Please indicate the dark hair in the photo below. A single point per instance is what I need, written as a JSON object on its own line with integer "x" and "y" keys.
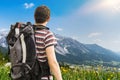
{"x": 42, "y": 14}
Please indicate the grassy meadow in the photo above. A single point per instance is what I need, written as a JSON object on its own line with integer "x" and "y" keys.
{"x": 77, "y": 73}
{"x": 90, "y": 73}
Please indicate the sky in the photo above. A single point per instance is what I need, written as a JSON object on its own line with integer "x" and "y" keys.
{"x": 88, "y": 21}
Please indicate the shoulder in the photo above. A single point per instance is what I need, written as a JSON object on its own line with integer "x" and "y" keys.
{"x": 49, "y": 32}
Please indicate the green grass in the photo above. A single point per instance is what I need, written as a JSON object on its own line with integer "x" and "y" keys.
{"x": 77, "y": 73}
{"x": 4, "y": 73}
{"x": 92, "y": 73}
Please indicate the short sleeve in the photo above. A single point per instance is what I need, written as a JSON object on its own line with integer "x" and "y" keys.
{"x": 50, "y": 39}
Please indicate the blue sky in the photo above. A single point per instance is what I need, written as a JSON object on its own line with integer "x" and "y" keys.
{"x": 88, "y": 21}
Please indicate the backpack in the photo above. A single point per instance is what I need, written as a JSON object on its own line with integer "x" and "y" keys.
{"x": 22, "y": 53}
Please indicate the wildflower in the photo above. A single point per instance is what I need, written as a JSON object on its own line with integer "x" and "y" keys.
{"x": 111, "y": 75}
{"x": 108, "y": 79}
{"x": 64, "y": 70}
{"x": 8, "y": 64}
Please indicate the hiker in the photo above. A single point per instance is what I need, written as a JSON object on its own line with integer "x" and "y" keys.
{"x": 45, "y": 44}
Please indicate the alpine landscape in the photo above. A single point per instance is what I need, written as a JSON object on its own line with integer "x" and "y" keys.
{"x": 71, "y": 51}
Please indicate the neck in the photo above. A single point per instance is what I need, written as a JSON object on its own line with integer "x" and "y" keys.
{"x": 44, "y": 24}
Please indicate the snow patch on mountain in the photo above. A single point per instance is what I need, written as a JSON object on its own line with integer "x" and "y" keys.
{"x": 3, "y": 34}
{"x": 61, "y": 50}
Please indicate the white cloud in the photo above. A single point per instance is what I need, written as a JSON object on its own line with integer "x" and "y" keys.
{"x": 97, "y": 40}
{"x": 109, "y": 6}
{"x": 3, "y": 29}
{"x": 28, "y": 5}
{"x": 116, "y": 41}
{"x": 95, "y": 34}
{"x": 59, "y": 29}
{"x": 75, "y": 37}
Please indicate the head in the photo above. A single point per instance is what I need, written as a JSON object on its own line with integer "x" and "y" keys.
{"x": 42, "y": 14}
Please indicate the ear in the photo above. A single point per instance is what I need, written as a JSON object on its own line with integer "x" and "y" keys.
{"x": 48, "y": 19}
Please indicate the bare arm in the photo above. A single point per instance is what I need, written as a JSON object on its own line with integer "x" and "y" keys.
{"x": 54, "y": 66}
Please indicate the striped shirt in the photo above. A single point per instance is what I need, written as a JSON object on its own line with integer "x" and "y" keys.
{"x": 44, "y": 38}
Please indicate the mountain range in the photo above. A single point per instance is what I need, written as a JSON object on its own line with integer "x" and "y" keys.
{"x": 72, "y": 51}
